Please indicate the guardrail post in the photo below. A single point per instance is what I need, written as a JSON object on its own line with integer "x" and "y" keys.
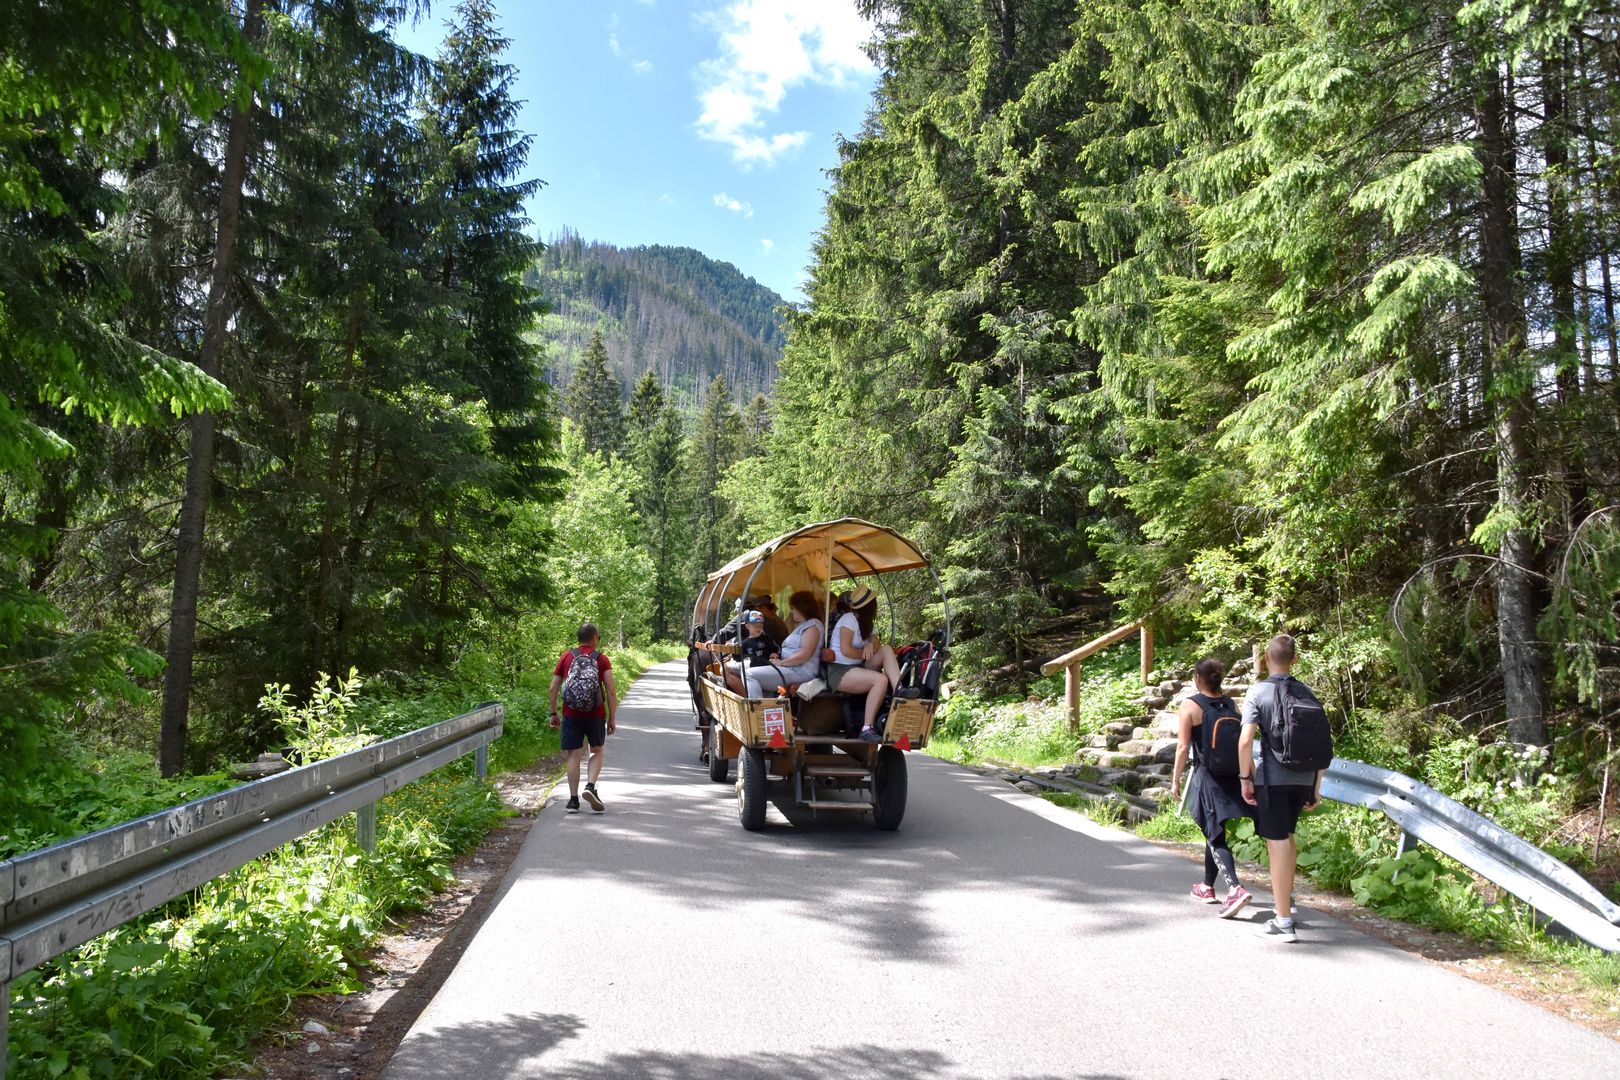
{"x": 5, "y": 1029}
{"x": 1406, "y": 843}
{"x": 365, "y": 827}
{"x": 481, "y": 761}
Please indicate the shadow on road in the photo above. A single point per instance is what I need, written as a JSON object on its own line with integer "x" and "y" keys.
{"x": 513, "y": 1047}
{"x": 677, "y": 837}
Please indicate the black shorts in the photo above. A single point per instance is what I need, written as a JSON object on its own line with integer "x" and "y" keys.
{"x": 577, "y": 729}
{"x": 1279, "y": 809}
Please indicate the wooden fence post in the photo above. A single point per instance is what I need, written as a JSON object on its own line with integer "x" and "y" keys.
{"x": 1071, "y": 694}
{"x": 1147, "y": 652}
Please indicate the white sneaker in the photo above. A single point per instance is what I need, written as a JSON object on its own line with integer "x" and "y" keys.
{"x": 1281, "y": 931}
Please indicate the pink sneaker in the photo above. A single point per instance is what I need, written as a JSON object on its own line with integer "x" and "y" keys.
{"x": 1204, "y": 894}
{"x": 1236, "y": 901}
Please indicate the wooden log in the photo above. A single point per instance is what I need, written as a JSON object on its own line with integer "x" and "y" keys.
{"x": 1071, "y": 694}
{"x": 1147, "y": 652}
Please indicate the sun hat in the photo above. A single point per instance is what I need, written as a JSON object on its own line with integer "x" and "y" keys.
{"x": 860, "y": 598}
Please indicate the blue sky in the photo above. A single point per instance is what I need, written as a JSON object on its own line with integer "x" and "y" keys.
{"x": 705, "y": 124}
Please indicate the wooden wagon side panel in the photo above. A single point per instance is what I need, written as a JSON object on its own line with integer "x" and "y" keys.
{"x": 750, "y": 722}
{"x": 912, "y": 718}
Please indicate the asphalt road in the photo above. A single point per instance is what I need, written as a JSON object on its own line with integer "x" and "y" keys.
{"x": 993, "y": 935}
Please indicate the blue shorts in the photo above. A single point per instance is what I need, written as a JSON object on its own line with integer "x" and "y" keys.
{"x": 576, "y": 730}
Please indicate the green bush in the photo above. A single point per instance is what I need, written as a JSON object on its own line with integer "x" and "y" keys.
{"x": 1034, "y": 731}
{"x": 183, "y": 992}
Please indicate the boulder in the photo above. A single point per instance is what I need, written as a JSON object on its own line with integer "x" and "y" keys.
{"x": 315, "y": 1027}
{"x": 1166, "y": 720}
{"x": 1109, "y": 759}
{"x": 1141, "y": 733}
{"x": 1168, "y": 687}
{"x": 1126, "y": 779}
{"x": 1027, "y": 787}
{"x": 1163, "y": 751}
{"x": 1087, "y": 773}
{"x": 1141, "y": 747}
{"x": 1157, "y": 794}
{"x": 1102, "y": 742}
{"x": 1153, "y": 701}
{"x": 1155, "y": 770}
{"x": 1183, "y": 694}
{"x": 1122, "y": 729}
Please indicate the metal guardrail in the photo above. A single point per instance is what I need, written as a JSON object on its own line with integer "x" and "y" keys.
{"x": 56, "y": 899}
{"x": 1549, "y": 886}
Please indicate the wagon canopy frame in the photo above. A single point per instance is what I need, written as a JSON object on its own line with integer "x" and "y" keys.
{"x": 814, "y": 557}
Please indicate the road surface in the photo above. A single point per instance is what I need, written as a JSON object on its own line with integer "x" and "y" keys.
{"x": 993, "y": 935}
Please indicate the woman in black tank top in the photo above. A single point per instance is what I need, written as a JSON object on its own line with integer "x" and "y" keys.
{"x": 1213, "y": 800}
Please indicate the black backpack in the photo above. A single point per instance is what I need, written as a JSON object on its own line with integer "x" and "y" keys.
{"x": 1217, "y": 742}
{"x": 1299, "y": 736}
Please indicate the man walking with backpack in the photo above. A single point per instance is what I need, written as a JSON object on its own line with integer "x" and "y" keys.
{"x": 1284, "y": 778}
{"x": 589, "y": 702}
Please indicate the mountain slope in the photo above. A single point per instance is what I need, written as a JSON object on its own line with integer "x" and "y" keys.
{"x": 672, "y": 310}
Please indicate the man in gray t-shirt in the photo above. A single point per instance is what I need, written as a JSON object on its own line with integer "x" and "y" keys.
{"x": 1278, "y": 794}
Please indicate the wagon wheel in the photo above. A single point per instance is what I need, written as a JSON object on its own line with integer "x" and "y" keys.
{"x": 719, "y": 767}
{"x": 751, "y": 788}
{"x": 888, "y": 789}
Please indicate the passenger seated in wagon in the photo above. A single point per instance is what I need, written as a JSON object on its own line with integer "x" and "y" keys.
{"x": 754, "y": 648}
{"x": 797, "y": 661}
{"x": 861, "y": 664}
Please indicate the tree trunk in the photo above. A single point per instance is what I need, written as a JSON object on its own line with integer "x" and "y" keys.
{"x": 1561, "y": 258}
{"x": 200, "y": 456}
{"x": 1523, "y": 681}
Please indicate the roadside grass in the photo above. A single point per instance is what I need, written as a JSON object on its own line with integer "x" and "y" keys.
{"x": 183, "y": 993}
{"x": 1036, "y": 730}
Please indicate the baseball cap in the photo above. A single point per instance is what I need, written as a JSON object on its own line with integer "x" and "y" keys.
{"x": 753, "y": 617}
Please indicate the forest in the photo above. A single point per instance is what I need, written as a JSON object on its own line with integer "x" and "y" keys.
{"x": 1234, "y": 317}
{"x": 671, "y": 310}
{"x": 1238, "y": 317}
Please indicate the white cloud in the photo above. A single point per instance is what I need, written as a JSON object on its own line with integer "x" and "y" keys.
{"x": 736, "y": 206}
{"x": 767, "y": 245}
{"x": 666, "y": 199}
{"x": 616, "y": 47}
{"x": 768, "y": 47}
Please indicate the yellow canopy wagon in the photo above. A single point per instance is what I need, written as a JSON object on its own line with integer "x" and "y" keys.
{"x": 793, "y": 735}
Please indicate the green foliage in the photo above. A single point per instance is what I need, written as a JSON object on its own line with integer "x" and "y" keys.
{"x": 323, "y": 726}
{"x": 183, "y": 992}
{"x": 1172, "y": 825}
{"x": 1105, "y": 812}
{"x": 1036, "y": 731}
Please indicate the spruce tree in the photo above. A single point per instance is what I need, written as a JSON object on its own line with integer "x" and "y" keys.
{"x": 716, "y": 443}
{"x": 656, "y": 448}
{"x": 594, "y": 400}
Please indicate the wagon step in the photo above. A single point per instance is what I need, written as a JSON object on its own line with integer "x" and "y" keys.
{"x": 833, "y": 804}
{"x": 839, "y": 772}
